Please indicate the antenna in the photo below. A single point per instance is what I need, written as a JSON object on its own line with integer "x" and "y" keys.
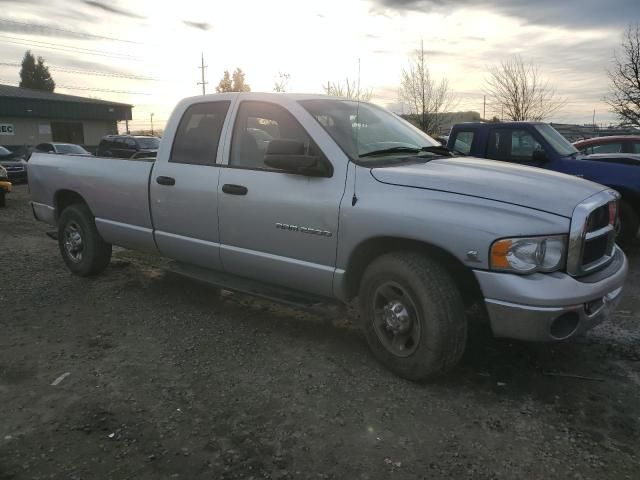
{"x": 354, "y": 199}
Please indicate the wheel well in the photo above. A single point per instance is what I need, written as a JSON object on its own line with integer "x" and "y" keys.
{"x": 66, "y": 198}
{"x": 369, "y": 250}
{"x": 630, "y": 198}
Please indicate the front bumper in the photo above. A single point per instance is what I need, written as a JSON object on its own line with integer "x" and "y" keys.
{"x": 556, "y": 306}
{"x": 17, "y": 176}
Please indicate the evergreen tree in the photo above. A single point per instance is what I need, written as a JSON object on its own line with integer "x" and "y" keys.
{"x": 225, "y": 84}
{"x": 35, "y": 74}
{"x": 239, "y": 84}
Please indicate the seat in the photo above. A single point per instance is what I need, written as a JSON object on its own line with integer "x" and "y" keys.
{"x": 247, "y": 154}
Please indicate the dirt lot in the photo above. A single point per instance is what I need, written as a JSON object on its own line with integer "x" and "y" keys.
{"x": 168, "y": 380}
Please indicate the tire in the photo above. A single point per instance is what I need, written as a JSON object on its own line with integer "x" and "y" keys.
{"x": 430, "y": 302}
{"x": 91, "y": 254}
{"x": 629, "y": 224}
{"x": 3, "y": 201}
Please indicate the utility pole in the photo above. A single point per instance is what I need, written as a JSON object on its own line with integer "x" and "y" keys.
{"x": 502, "y": 113}
{"x": 484, "y": 107}
{"x": 424, "y": 116}
{"x": 152, "y": 124}
{"x": 126, "y": 126}
{"x": 202, "y": 67}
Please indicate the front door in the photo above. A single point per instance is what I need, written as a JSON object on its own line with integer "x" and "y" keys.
{"x": 515, "y": 145}
{"x": 277, "y": 227}
{"x": 184, "y": 188}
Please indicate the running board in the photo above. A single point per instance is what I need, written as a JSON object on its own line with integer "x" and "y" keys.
{"x": 251, "y": 287}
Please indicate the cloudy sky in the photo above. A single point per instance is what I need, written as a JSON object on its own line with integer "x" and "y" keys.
{"x": 147, "y": 53}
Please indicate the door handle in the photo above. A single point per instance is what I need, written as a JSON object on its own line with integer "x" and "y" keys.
{"x": 234, "y": 189}
{"x": 165, "y": 180}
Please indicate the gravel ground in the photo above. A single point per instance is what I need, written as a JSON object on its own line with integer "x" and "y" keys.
{"x": 166, "y": 379}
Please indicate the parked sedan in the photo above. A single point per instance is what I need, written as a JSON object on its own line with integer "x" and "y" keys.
{"x": 5, "y": 185}
{"x": 611, "y": 144}
{"x": 15, "y": 166}
{"x": 61, "y": 148}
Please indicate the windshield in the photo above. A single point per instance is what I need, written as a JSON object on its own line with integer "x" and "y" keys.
{"x": 4, "y": 151}
{"x": 368, "y": 134}
{"x": 71, "y": 149}
{"x": 557, "y": 141}
{"x": 150, "y": 143}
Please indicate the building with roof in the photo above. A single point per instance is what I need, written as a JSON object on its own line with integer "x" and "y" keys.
{"x": 30, "y": 117}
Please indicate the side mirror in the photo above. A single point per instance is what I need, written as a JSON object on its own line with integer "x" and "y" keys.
{"x": 291, "y": 156}
{"x": 539, "y": 157}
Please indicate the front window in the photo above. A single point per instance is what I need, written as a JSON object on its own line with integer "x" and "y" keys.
{"x": 463, "y": 142}
{"x": 363, "y": 130}
{"x": 557, "y": 141}
{"x": 71, "y": 150}
{"x": 607, "y": 148}
{"x": 149, "y": 143}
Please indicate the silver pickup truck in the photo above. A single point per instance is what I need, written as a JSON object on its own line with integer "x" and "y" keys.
{"x": 309, "y": 198}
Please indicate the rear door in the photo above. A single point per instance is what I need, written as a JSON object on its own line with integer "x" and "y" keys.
{"x": 277, "y": 227}
{"x": 184, "y": 187}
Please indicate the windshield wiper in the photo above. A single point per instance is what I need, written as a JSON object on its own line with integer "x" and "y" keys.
{"x": 439, "y": 150}
{"x": 391, "y": 150}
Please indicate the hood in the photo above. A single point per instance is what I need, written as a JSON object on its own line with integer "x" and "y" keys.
{"x": 519, "y": 185}
{"x": 623, "y": 158}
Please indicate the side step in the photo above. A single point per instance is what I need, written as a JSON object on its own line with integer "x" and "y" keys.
{"x": 251, "y": 287}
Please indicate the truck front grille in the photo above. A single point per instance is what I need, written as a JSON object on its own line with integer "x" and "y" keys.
{"x": 592, "y": 236}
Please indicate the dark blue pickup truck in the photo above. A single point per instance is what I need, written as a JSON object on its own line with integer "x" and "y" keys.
{"x": 538, "y": 144}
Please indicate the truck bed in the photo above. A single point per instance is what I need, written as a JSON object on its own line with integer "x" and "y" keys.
{"x": 116, "y": 190}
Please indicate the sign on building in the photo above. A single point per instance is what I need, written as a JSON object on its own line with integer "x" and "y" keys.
{"x": 6, "y": 129}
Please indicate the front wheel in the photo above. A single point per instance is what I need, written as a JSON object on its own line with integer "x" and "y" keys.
{"x": 82, "y": 248}
{"x": 413, "y": 315}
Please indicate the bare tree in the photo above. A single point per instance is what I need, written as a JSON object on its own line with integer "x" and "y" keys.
{"x": 281, "y": 82}
{"x": 624, "y": 98}
{"x": 349, "y": 89}
{"x": 426, "y": 97}
{"x": 518, "y": 87}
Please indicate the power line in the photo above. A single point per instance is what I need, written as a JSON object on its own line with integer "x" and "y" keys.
{"x": 88, "y": 72}
{"x": 88, "y": 89}
{"x": 65, "y": 48}
{"x": 79, "y": 34}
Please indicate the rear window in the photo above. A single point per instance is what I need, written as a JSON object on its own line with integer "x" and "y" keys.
{"x": 198, "y": 134}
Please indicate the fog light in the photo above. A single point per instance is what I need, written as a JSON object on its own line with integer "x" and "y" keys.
{"x": 564, "y": 326}
{"x": 592, "y": 307}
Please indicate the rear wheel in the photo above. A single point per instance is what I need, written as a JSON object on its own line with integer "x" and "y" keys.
{"x": 82, "y": 248}
{"x": 629, "y": 224}
{"x": 413, "y": 315}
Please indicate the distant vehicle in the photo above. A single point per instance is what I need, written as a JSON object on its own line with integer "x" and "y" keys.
{"x": 538, "y": 144}
{"x": 61, "y": 148}
{"x": 5, "y": 185}
{"x": 128, "y": 146}
{"x": 333, "y": 209}
{"x": 611, "y": 144}
{"x": 15, "y": 166}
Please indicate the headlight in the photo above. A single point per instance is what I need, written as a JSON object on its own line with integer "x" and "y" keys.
{"x": 528, "y": 255}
